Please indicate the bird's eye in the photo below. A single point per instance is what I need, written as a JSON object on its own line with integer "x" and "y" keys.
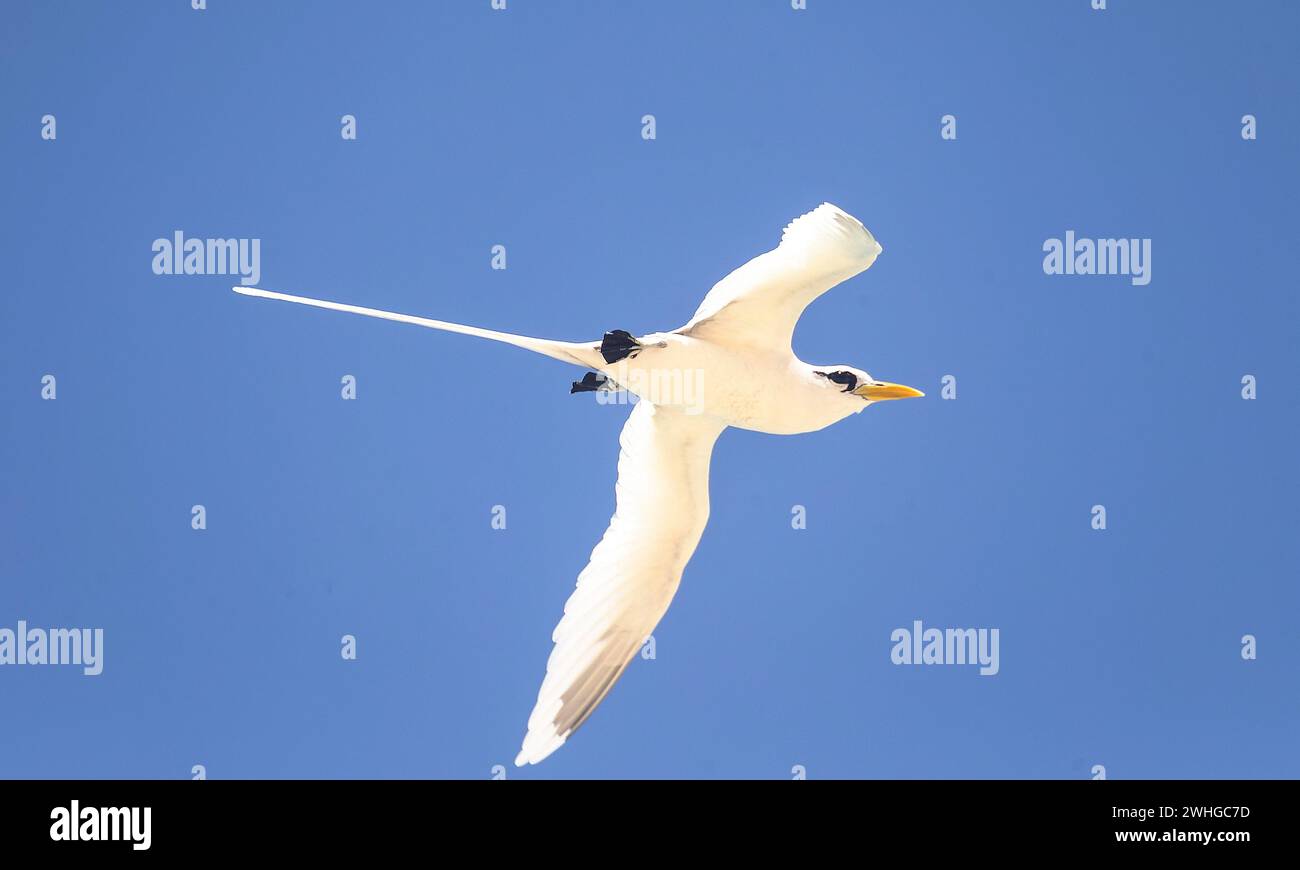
{"x": 848, "y": 379}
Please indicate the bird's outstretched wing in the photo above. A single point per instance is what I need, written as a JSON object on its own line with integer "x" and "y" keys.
{"x": 662, "y": 505}
{"x": 760, "y": 303}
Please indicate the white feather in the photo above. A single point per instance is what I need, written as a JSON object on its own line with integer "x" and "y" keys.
{"x": 662, "y": 505}
{"x": 759, "y": 304}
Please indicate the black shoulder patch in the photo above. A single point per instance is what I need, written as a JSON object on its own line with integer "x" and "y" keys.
{"x": 590, "y": 383}
{"x": 618, "y": 344}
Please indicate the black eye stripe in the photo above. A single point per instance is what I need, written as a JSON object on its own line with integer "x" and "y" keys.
{"x": 848, "y": 379}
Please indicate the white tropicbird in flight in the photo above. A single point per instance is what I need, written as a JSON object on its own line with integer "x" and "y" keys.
{"x": 738, "y": 345}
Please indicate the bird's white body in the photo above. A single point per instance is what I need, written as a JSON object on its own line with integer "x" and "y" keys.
{"x": 761, "y": 390}
{"x": 730, "y": 365}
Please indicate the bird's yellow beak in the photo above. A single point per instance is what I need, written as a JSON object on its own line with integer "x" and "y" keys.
{"x": 881, "y": 390}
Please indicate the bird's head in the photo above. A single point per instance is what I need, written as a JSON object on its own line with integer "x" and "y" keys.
{"x": 859, "y": 388}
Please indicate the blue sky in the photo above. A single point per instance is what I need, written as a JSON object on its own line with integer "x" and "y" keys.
{"x": 522, "y": 128}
